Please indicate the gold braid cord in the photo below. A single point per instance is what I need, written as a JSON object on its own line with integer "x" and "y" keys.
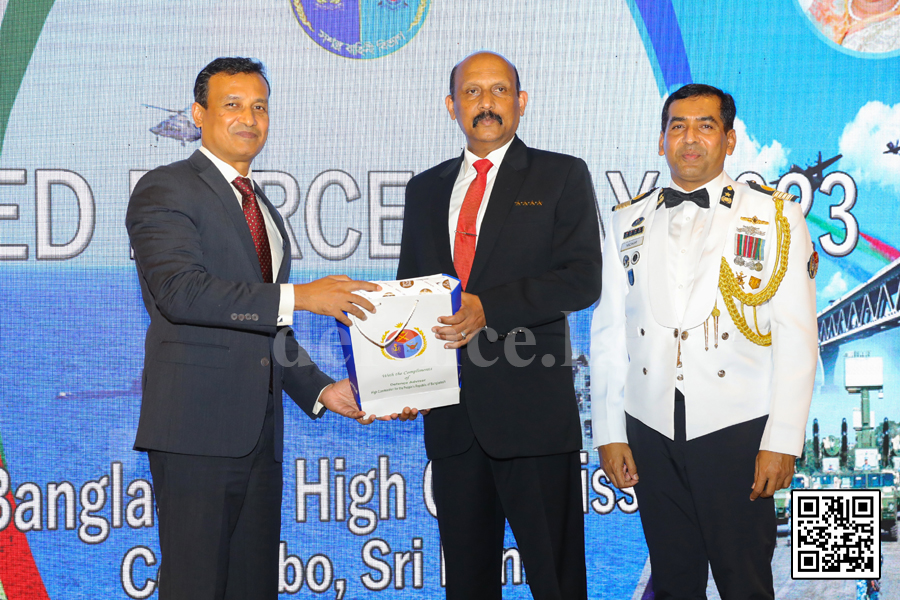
{"x": 730, "y": 289}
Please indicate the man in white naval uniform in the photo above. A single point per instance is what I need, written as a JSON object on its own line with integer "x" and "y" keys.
{"x": 703, "y": 356}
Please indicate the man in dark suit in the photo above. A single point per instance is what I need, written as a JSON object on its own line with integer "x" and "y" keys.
{"x": 525, "y": 243}
{"x": 213, "y": 258}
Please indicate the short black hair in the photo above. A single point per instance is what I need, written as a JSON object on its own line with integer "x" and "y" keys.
{"x": 453, "y": 75}
{"x": 230, "y": 65}
{"x": 727, "y": 110}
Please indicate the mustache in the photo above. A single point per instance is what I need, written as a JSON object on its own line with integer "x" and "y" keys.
{"x": 488, "y": 114}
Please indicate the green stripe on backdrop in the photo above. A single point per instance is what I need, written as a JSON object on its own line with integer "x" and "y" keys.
{"x": 19, "y": 33}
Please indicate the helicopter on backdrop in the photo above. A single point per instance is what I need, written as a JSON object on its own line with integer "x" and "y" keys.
{"x": 177, "y": 126}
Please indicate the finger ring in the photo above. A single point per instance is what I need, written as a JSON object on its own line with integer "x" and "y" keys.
{"x": 463, "y": 334}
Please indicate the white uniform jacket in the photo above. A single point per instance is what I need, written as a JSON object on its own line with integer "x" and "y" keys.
{"x": 636, "y": 335}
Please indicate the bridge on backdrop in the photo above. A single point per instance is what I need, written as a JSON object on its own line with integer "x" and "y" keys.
{"x": 864, "y": 311}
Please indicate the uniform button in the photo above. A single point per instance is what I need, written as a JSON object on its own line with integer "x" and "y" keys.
{"x": 642, "y": 332}
{"x": 725, "y": 336}
{"x": 683, "y": 250}
{"x": 264, "y": 362}
{"x": 684, "y": 335}
{"x": 234, "y": 316}
{"x": 255, "y": 317}
{"x": 721, "y": 373}
{"x": 680, "y": 378}
{"x": 676, "y": 333}
{"x": 645, "y": 370}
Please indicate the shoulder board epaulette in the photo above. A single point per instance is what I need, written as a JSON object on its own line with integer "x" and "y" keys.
{"x": 727, "y": 196}
{"x": 764, "y": 189}
{"x": 634, "y": 200}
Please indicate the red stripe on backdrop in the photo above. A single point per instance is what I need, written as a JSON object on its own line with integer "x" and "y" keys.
{"x": 18, "y": 572}
{"x": 882, "y": 248}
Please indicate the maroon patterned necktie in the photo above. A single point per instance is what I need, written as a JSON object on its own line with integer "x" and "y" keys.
{"x": 257, "y": 225}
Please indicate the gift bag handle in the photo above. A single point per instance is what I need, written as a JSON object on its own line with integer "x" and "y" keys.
{"x": 391, "y": 337}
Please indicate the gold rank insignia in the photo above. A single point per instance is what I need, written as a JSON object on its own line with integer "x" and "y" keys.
{"x": 784, "y": 196}
{"x": 727, "y": 197}
{"x": 634, "y": 200}
{"x": 755, "y": 220}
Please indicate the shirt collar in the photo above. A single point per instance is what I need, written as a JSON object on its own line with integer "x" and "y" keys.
{"x": 496, "y": 157}
{"x": 713, "y": 188}
{"x": 227, "y": 171}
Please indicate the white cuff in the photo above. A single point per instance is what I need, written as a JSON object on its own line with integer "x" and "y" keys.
{"x": 318, "y": 407}
{"x": 286, "y": 305}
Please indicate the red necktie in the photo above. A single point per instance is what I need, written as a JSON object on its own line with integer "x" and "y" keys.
{"x": 257, "y": 225}
{"x": 464, "y": 243}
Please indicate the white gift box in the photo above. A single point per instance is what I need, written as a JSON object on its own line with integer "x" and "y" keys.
{"x": 393, "y": 359}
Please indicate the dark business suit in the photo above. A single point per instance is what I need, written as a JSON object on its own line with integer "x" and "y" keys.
{"x": 537, "y": 258}
{"x": 211, "y": 386}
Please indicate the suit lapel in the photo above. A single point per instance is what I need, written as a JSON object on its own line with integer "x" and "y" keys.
{"x": 441, "y": 222}
{"x": 510, "y": 177}
{"x": 703, "y": 293}
{"x": 223, "y": 190}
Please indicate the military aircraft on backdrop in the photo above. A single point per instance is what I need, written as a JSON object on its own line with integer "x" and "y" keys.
{"x": 893, "y": 148}
{"x": 815, "y": 172}
{"x": 177, "y": 126}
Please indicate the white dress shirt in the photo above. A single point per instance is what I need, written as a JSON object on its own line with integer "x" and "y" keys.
{"x": 286, "y": 303}
{"x": 465, "y": 178}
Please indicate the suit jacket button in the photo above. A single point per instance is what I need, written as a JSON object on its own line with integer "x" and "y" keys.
{"x": 264, "y": 362}
{"x": 642, "y": 332}
{"x": 676, "y": 333}
{"x": 721, "y": 373}
{"x": 255, "y": 317}
{"x": 248, "y": 316}
{"x": 645, "y": 370}
{"x": 725, "y": 336}
{"x": 240, "y": 317}
{"x": 680, "y": 378}
{"x": 684, "y": 335}
{"x": 234, "y": 316}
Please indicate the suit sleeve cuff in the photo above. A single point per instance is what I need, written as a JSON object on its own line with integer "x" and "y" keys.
{"x": 286, "y": 305}
{"x": 318, "y": 407}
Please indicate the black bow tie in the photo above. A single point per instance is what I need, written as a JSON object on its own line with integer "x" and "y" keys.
{"x": 673, "y": 197}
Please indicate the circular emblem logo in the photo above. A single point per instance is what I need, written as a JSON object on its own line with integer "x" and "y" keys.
{"x": 361, "y": 28}
{"x": 409, "y": 343}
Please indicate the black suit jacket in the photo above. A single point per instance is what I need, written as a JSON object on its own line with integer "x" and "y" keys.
{"x": 537, "y": 258}
{"x": 209, "y": 352}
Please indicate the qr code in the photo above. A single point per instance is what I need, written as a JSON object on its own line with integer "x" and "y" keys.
{"x": 835, "y": 534}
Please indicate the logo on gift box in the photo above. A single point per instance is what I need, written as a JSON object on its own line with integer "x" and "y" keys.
{"x": 409, "y": 343}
